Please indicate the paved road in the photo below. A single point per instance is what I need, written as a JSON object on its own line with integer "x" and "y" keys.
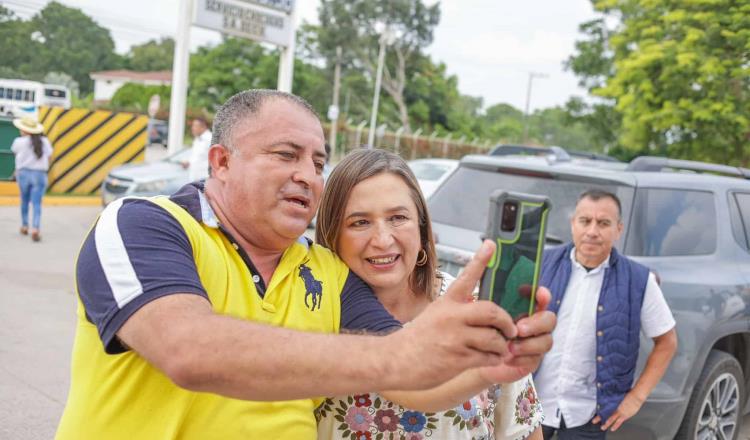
{"x": 37, "y": 312}
{"x": 37, "y": 309}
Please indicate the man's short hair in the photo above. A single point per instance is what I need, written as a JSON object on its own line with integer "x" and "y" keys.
{"x": 599, "y": 194}
{"x": 244, "y": 105}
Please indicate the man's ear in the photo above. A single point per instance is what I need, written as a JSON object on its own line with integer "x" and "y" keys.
{"x": 218, "y": 160}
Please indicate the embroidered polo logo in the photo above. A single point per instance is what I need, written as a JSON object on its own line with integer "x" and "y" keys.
{"x": 313, "y": 287}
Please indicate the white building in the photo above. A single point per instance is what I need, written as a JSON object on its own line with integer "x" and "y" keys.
{"x": 107, "y": 82}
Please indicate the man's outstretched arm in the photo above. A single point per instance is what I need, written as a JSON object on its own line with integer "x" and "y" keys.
{"x": 202, "y": 351}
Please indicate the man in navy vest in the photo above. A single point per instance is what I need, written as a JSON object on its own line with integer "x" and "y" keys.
{"x": 603, "y": 302}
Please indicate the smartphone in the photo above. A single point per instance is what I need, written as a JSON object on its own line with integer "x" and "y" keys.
{"x": 517, "y": 224}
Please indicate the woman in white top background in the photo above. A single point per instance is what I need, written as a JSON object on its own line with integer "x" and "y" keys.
{"x": 32, "y": 152}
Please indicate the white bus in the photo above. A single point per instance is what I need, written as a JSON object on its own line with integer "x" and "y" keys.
{"x": 23, "y": 98}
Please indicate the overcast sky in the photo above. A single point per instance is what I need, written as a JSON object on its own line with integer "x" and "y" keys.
{"x": 491, "y": 45}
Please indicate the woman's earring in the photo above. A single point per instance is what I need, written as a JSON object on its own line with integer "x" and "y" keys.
{"x": 421, "y": 257}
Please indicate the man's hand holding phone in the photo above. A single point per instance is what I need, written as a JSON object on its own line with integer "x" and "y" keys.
{"x": 533, "y": 341}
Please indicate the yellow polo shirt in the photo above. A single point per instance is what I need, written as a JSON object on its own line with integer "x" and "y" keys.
{"x": 121, "y": 396}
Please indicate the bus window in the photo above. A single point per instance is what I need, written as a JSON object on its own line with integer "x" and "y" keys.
{"x": 54, "y": 93}
{"x": 19, "y": 94}
{"x": 9, "y": 93}
{"x": 27, "y": 95}
{"x": 33, "y": 96}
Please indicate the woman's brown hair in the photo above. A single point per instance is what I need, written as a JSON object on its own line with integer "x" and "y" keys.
{"x": 356, "y": 167}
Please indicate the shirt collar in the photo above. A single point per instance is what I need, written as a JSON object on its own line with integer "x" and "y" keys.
{"x": 192, "y": 199}
{"x": 597, "y": 269}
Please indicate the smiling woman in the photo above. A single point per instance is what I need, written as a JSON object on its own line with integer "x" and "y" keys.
{"x": 374, "y": 216}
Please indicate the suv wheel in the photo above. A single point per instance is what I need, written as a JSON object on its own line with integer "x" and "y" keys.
{"x": 715, "y": 407}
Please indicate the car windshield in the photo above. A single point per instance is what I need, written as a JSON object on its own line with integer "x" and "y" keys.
{"x": 429, "y": 170}
{"x": 463, "y": 200}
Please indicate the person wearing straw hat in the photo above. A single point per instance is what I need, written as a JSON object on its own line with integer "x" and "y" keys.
{"x": 32, "y": 151}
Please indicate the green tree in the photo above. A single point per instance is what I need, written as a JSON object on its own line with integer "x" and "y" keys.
{"x": 135, "y": 97}
{"x": 151, "y": 56}
{"x": 504, "y": 122}
{"x": 681, "y": 77}
{"x": 218, "y": 72}
{"x": 71, "y": 42}
{"x": 553, "y": 126}
{"x": 593, "y": 63}
{"x": 434, "y": 101}
{"x": 353, "y": 25}
{"x": 17, "y": 47}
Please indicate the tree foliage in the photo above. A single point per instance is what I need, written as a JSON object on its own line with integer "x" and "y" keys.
{"x": 15, "y": 45}
{"x": 357, "y": 27}
{"x": 678, "y": 74}
{"x": 57, "y": 39}
{"x": 67, "y": 40}
{"x": 218, "y": 72}
{"x": 135, "y": 97}
{"x": 151, "y": 56}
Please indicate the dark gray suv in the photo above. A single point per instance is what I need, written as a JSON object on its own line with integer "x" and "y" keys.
{"x": 686, "y": 222}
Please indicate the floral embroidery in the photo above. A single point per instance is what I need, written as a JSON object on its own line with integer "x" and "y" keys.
{"x": 362, "y": 400}
{"x": 467, "y": 410}
{"x": 386, "y": 420}
{"x": 526, "y": 405}
{"x": 371, "y": 417}
{"x": 413, "y": 421}
{"x": 358, "y": 418}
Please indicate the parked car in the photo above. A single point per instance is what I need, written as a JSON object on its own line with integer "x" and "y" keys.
{"x": 146, "y": 179}
{"x": 683, "y": 220}
{"x": 529, "y": 150}
{"x": 430, "y": 173}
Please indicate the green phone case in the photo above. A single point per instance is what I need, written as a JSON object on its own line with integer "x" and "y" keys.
{"x": 512, "y": 275}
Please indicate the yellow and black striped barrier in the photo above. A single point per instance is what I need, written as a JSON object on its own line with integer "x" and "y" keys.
{"x": 88, "y": 144}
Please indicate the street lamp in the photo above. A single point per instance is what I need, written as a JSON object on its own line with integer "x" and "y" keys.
{"x": 532, "y": 75}
{"x": 387, "y": 38}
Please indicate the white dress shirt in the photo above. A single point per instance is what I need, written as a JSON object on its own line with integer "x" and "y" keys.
{"x": 199, "y": 156}
{"x": 566, "y": 379}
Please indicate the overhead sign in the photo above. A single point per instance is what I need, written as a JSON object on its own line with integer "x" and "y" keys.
{"x": 260, "y": 20}
{"x": 282, "y": 5}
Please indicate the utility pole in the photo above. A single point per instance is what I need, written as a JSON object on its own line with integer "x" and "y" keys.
{"x": 532, "y": 75}
{"x": 180, "y": 68}
{"x": 286, "y": 58}
{"x": 333, "y": 111}
{"x": 387, "y": 38}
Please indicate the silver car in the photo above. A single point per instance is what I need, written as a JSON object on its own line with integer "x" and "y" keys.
{"x": 689, "y": 227}
{"x": 430, "y": 173}
{"x": 146, "y": 179}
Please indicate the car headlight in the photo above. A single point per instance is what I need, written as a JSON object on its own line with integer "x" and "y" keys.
{"x": 154, "y": 186}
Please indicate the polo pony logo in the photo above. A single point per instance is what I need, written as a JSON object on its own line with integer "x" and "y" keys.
{"x": 313, "y": 287}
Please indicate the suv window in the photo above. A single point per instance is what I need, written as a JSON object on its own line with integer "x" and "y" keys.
{"x": 739, "y": 210}
{"x": 464, "y": 199}
{"x": 672, "y": 222}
